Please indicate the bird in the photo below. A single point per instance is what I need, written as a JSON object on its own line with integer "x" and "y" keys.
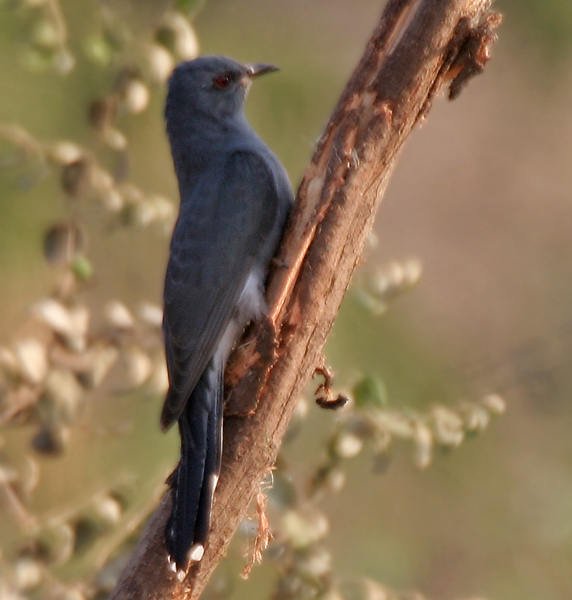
{"x": 235, "y": 197}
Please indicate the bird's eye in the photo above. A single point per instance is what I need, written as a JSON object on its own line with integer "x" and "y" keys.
{"x": 223, "y": 81}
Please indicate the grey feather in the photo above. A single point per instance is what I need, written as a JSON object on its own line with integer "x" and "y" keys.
{"x": 235, "y": 197}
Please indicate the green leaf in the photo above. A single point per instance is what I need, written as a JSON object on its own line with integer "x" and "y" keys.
{"x": 370, "y": 392}
{"x": 189, "y": 7}
{"x": 82, "y": 268}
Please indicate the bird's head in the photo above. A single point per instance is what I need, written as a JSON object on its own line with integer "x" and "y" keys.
{"x": 212, "y": 87}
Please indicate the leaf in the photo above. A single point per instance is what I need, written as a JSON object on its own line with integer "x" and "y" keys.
{"x": 370, "y": 392}
{"x": 189, "y": 7}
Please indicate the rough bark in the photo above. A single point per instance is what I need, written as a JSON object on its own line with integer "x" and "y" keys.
{"x": 417, "y": 46}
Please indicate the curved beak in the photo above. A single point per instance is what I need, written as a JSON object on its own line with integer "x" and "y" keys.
{"x": 260, "y": 69}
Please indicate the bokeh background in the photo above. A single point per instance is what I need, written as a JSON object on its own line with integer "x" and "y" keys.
{"x": 481, "y": 196}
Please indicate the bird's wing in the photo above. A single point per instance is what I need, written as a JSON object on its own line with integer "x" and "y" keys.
{"x": 221, "y": 228}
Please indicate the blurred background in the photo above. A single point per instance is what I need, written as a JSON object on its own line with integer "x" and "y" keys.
{"x": 480, "y": 204}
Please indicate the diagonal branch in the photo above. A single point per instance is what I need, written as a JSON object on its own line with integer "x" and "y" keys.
{"x": 417, "y": 46}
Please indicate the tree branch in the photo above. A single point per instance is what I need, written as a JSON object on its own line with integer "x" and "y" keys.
{"x": 417, "y": 46}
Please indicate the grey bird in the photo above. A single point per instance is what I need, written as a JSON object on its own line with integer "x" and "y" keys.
{"x": 235, "y": 198}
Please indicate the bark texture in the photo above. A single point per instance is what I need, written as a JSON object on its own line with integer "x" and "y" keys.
{"x": 417, "y": 46}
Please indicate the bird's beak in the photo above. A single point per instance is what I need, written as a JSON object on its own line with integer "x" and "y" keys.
{"x": 260, "y": 69}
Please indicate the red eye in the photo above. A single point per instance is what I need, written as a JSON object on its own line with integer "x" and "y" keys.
{"x": 223, "y": 81}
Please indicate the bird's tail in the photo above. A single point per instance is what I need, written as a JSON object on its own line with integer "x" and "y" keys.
{"x": 194, "y": 481}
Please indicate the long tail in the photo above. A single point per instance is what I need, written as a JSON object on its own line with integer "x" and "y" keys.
{"x": 195, "y": 479}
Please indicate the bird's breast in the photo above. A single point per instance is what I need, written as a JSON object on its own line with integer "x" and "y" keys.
{"x": 251, "y": 303}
